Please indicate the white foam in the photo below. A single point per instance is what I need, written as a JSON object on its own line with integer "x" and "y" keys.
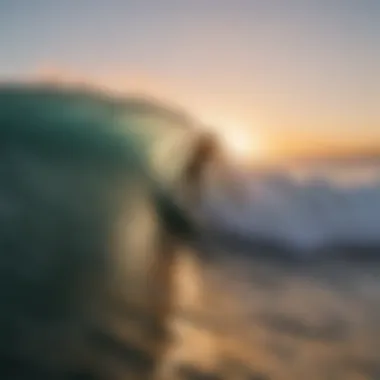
{"x": 311, "y": 212}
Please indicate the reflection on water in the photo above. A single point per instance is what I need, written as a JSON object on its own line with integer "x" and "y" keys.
{"x": 264, "y": 320}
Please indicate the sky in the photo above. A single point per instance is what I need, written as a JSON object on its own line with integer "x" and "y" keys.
{"x": 283, "y": 75}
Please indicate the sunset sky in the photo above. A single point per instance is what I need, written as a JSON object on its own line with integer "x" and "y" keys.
{"x": 289, "y": 76}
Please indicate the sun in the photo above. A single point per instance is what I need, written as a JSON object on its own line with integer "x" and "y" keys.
{"x": 240, "y": 142}
{"x": 242, "y": 145}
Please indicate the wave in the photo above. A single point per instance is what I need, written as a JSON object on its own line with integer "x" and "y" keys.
{"x": 305, "y": 212}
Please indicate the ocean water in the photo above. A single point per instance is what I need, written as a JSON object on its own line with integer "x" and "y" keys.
{"x": 304, "y": 206}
